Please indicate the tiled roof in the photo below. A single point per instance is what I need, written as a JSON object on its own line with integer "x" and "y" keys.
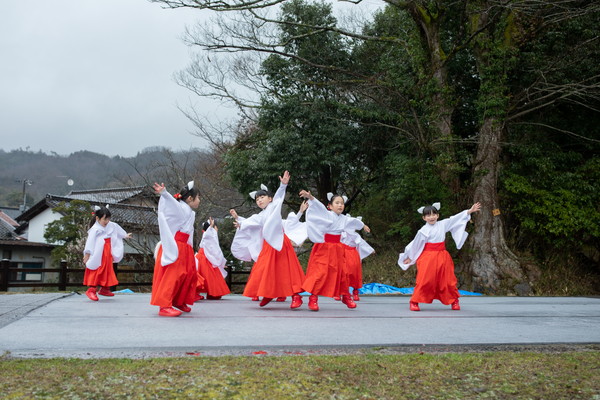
{"x": 7, "y": 218}
{"x": 140, "y": 217}
{"x": 6, "y": 230}
{"x": 12, "y": 212}
{"x": 106, "y": 196}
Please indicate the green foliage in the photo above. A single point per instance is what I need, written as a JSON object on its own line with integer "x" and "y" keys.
{"x": 554, "y": 195}
{"x": 70, "y": 231}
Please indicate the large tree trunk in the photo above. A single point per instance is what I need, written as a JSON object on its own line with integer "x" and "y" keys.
{"x": 442, "y": 104}
{"x": 489, "y": 265}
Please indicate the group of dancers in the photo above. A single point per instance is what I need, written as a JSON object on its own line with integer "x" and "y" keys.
{"x": 334, "y": 265}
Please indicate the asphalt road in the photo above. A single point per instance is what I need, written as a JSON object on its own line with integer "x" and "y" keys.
{"x": 70, "y": 325}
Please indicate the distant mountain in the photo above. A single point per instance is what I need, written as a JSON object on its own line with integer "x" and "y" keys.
{"x": 51, "y": 173}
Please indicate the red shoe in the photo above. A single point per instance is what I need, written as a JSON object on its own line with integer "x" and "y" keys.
{"x": 209, "y": 297}
{"x": 91, "y": 294}
{"x": 198, "y": 297}
{"x": 296, "y": 301}
{"x": 414, "y": 306}
{"x": 168, "y": 312}
{"x": 255, "y": 298}
{"x": 265, "y": 301}
{"x": 104, "y": 291}
{"x": 337, "y": 298}
{"x": 313, "y": 302}
{"x": 355, "y": 295}
{"x": 184, "y": 308}
{"x": 455, "y": 305}
{"x": 347, "y": 300}
{"x": 281, "y": 299}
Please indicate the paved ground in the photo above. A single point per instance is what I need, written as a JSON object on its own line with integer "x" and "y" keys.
{"x": 63, "y": 325}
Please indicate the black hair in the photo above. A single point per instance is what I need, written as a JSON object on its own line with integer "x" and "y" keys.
{"x": 185, "y": 192}
{"x": 205, "y": 226}
{"x": 99, "y": 213}
{"x": 428, "y": 210}
{"x": 262, "y": 192}
{"x": 334, "y": 197}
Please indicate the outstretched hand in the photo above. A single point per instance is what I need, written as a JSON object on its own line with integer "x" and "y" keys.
{"x": 474, "y": 208}
{"x": 234, "y": 214}
{"x": 367, "y": 229}
{"x": 306, "y": 194}
{"x": 286, "y": 178}
{"x": 158, "y": 188}
{"x": 303, "y": 206}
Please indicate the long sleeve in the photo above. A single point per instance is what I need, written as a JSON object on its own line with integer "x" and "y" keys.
{"x": 294, "y": 229}
{"x": 318, "y": 219}
{"x": 248, "y": 239}
{"x": 173, "y": 216}
{"x": 457, "y": 225}
{"x": 94, "y": 246}
{"x": 273, "y": 226}
{"x": 117, "y": 234}
{"x": 413, "y": 250}
{"x": 212, "y": 250}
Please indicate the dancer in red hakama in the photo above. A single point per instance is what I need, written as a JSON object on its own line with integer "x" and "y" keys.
{"x": 265, "y": 238}
{"x": 326, "y": 274}
{"x": 175, "y": 277}
{"x": 103, "y": 247}
{"x": 435, "y": 268}
{"x": 211, "y": 264}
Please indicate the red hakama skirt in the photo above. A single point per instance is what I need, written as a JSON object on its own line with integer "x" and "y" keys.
{"x": 354, "y": 267}
{"x": 175, "y": 284}
{"x": 210, "y": 279}
{"x": 275, "y": 273}
{"x": 326, "y": 273}
{"x": 435, "y": 276}
{"x": 105, "y": 274}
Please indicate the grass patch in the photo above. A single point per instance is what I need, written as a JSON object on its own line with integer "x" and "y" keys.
{"x": 497, "y": 375}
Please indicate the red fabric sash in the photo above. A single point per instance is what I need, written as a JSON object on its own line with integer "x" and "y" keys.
{"x": 181, "y": 237}
{"x": 435, "y": 246}
{"x": 332, "y": 238}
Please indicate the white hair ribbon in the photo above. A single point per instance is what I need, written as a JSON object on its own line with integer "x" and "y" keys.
{"x": 331, "y": 195}
{"x": 190, "y": 185}
{"x": 437, "y": 206}
{"x": 262, "y": 186}
{"x": 106, "y": 206}
{"x": 96, "y": 208}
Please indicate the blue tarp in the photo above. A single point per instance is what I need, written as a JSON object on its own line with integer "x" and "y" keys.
{"x": 124, "y": 291}
{"x": 380, "y": 288}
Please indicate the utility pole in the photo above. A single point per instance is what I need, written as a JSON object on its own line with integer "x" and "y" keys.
{"x": 26, "y": 182}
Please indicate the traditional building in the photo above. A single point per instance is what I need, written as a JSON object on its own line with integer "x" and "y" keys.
{"x": 23, "y": 243}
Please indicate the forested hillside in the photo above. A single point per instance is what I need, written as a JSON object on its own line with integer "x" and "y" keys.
{"x": 50, "y": 173}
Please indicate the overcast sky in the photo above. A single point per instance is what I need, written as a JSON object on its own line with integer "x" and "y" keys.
{"x": 95, "y": 75}
{"x": 98, "y": 75}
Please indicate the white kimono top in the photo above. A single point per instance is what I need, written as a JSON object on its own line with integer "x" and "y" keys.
{"x": 212, "y": 250}
{"x": 436, "y": 233}
{"x": 353, "y": 239}
{"x": 94, "y": 244}
{"x": 267, "y": 226}
{"x": 321, "y": 221}
{"x": 173, "y": 216}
